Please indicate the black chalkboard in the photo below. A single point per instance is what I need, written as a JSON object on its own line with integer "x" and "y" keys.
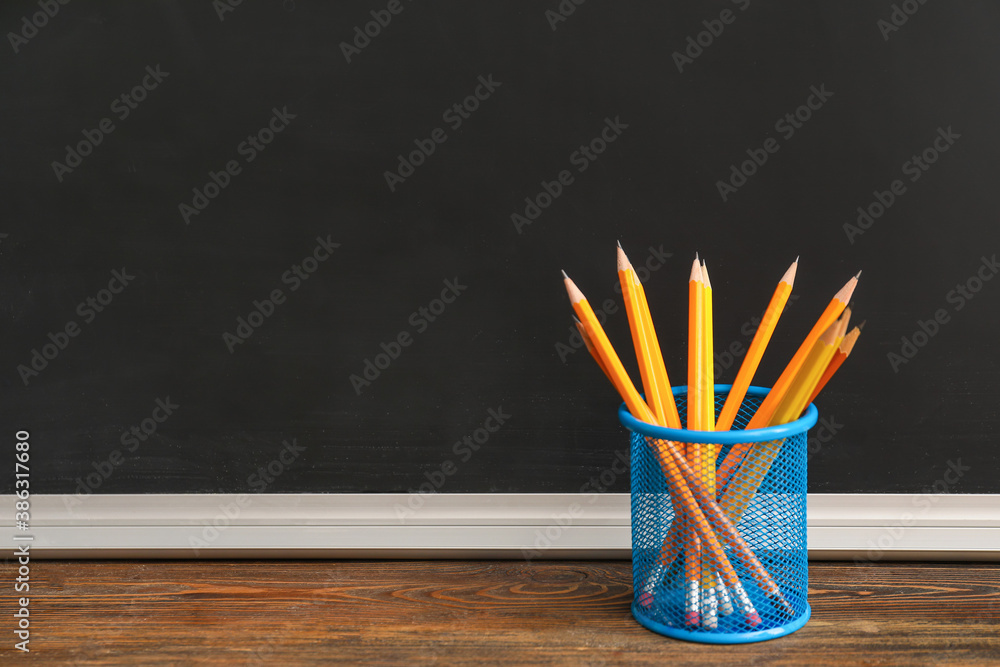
{"x": 315, "y": 247}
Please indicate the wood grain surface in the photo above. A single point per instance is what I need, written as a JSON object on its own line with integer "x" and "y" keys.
{"x": 473, "y": 612}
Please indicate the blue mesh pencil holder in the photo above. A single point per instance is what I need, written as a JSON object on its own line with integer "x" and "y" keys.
{"x": 720, "y": 557}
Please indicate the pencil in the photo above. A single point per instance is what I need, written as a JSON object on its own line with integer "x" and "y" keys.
{"x": 708, "y": 360}
{"x": 641, "y": 339}
{"x": 696, "y": 361}
{"x": 757, "y": 346}
{"x": 797, "y": 397}
{"x": 664, "y": 407}
{"x": 695, "y": 422}
{"x": 612, "y": 364}
{"x": 839, "y": 357}
{"x": 726, "y": 529}
{"x": 673, "y": 419}
{"x": 678, "y": 472}
{"x": 751, "y": 473}
{"x": 762, "y": 417}
{"x": 590, "y": 346}
{"x": 710, "y": 600}
{"x": 658, "y": 571}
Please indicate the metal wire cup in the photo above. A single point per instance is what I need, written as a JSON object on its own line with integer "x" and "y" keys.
{"x": 696, "y": 578}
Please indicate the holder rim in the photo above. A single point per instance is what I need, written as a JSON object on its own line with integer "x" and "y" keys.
{"x": 800, "y": 425}
{"x": 749, "y": 637}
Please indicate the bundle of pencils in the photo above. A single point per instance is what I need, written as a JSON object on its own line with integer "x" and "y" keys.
{"x": 709, "y": 496}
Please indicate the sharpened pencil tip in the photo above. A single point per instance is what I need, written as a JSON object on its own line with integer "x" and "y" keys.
{"x": 623, "y": 263}
{"x": 862, "y": 325}
{"x": 796, "y": 259}
{"x": 565, "y": 275}
{"x": 845, "y": 292}
{"x": 789, "y": 277}
{"x": 695, "y": 270}
{"x": 858, "y": 276}
{"x": 696, "y": 257}
{"x": 619, "y": 243}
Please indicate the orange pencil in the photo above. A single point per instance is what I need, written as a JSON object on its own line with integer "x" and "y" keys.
{"x": 745, "y": 482}
{"x": 696, "y": 361}
{"x": 648, "y": 351}
{"x": 762, "y": 417}
{"x": 696, "y": 422}
{"x": 757, "y": 346}
{"x": 590, "y": 345}
{"x": 612, "y": 364}
{"x": 839, "y": 357}
{"x": 642, "y": 340}
{"x": 672, "y": 418}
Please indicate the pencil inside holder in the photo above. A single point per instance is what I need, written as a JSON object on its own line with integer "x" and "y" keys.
{"x": 719, "y": 552}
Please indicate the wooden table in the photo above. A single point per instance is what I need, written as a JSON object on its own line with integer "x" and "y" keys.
{"x": 472, "y": 612}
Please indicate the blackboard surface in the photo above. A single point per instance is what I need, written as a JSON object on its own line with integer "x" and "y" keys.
{"x": 216, "y": 214}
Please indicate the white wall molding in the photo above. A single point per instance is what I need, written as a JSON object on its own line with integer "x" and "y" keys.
{"x": 841, "y": 526}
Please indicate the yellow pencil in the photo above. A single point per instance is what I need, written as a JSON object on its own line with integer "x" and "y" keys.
{"x": 709, "y": 592}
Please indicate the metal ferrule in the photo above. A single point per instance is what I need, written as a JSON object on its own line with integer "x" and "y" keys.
{"x": 743, "y": 600}
{"x": 725, "y": 601}
{"x": 654, "y": 578}
{"x": 693, "y": 595}
{"x": 710, "y": 609}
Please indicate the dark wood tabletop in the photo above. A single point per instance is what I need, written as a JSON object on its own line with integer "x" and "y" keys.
{"x": 474, "y": 612}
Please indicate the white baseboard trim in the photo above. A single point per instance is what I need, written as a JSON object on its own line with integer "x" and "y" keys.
{"x": 871, "y": 527}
